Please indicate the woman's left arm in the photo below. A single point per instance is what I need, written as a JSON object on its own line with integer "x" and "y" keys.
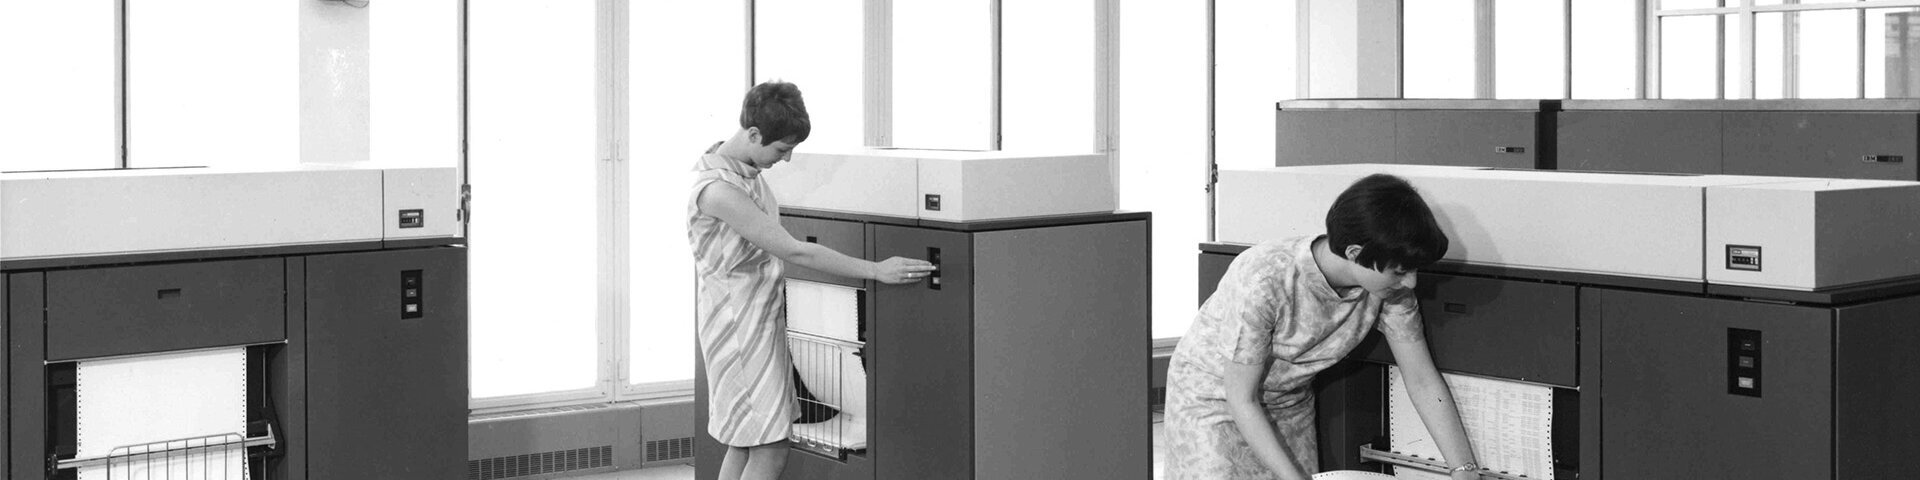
{"x": 1433, "y": 400}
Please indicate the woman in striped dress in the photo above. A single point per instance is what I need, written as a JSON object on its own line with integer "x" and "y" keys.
{"x": 739, "y": 250}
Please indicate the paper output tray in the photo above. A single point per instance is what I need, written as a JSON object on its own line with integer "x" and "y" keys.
{"x": 183, "y": 448}
{"x": 1368, "y": 453}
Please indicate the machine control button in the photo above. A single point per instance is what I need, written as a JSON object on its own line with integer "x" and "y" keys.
{"x": 933, "y": 257}
{"x": 411, "y": 293}
{"x": 1744, "y": 360}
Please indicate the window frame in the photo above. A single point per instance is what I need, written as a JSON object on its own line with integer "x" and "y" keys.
{"x": 1746, "y": 13}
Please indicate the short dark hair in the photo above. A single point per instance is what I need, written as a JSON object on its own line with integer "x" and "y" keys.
{"x": 776, "y": 108}
{"x": 1389, "y": 221}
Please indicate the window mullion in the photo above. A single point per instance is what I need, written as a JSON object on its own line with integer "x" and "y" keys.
{"x": 877, "y": 96}
{"x": 1747, "y": 50}
{"x": 1483, "y": 85}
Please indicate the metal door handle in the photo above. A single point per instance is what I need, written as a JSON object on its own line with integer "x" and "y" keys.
{"x": 933, "y": 256}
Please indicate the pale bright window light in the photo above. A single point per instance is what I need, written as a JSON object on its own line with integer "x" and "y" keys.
{"x": 943, "y": 75}
{"x": 1730, "y": 57}
{"x": 684, "y": 96}
{"x": 414, "y": 84}
{"x": 1688, "y": 56}
{"x": 1691, "y": 4}
{"x": 1437, "y": 48}
{"x": 1529, "y": 50}
{"x": 1893, "y": 52}
{"x": 1769, "y": 55}
{"x": 1828, "y": 54}
{"x": 1047, "y": 63}
{"x": 1604, "y": 50}
{"x": 1779, "y": 2}
{"x": 213, "y": 83}
{"x": 817, "y": 45}
{"x": 62, "y": 115}
{"x": 1160, "y": 106}
{"x": 533, "y": 258}
{"x": 1255, "y": 68}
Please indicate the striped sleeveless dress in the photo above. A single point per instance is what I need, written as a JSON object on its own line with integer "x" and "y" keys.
{"x": 741, "y": 317}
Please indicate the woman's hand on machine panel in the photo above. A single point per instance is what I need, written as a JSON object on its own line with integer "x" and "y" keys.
{"x": 901, "y": 270}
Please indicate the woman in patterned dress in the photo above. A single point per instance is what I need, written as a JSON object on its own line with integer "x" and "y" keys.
{"x": 1239, "y": 388}
{"x": 739, "y": 249}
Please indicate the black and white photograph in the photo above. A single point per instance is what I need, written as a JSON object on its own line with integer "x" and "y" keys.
{"x": 960, "y": 239}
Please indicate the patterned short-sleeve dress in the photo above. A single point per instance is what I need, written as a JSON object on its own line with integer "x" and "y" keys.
{"x": 1273, "y": 305}
{"x": 741, "y": 318}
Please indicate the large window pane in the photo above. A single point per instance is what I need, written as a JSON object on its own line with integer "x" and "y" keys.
{"x": 1730, "y": 76}
{"x": 816, "y": 44}
{"x": 213, "y": 82}
{"x": 1770, "y": 55}
{"x": 1778, "y": 2}
{"x": 57, "y": 108}
{"x": 1827, "y": 54}
{"x": 1686, "y": 4}
{"x": 1893, "y": 53}
{"x": 1254, "y": 44}
{"x": 1604, "y": 50}
{"x": 1163, "y": 154}
{"x": 1529, "y": 49}
{"x": 534, "y": 281}
{"x": 674, "y": 118}
{"x": 415, "y": 83}
{"x": 1438, "y": 49}
{"x": 1689, "y": 57}
{"x": 943, "y": 74}
{"x": 1048, "y": 77}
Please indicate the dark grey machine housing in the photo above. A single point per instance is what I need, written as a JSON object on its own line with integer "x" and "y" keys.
{"x": 1869, "y": 139}
{"x": 1479, "y": 133}
{"x": 1026, "y": 362}
{"x": 1644, "y": 375}
{"x": 353, "y": 386}
{"x": 1843, "y": 138}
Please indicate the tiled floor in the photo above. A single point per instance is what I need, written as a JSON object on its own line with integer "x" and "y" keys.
{"x": 685, "y": 472}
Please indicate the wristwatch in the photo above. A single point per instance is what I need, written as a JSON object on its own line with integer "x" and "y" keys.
{"x": 1466, "y": 467}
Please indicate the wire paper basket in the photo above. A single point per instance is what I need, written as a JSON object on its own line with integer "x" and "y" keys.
{"x": 832, "y": 395}
{"x": 212, "y": 457}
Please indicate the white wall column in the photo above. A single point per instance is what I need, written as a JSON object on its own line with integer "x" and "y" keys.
{"x": 1353, "y": 47}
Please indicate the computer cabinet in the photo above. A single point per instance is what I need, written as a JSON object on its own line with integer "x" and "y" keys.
{"x": 1647, "y": 382}
{"x": 1023, "y": 361}
{"x": 1866, "y": 139}
{"x": 386, "y": 389}
{"x": 1831, "y": 394}
{"x": 1485, "y": 133}
{"x": 342, "y": 378}
{"x": 1870, "y": 145}
{"x": 1650, "y": 141}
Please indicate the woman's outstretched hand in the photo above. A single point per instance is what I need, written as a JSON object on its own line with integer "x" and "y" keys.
{"x": 900, "y": 270}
